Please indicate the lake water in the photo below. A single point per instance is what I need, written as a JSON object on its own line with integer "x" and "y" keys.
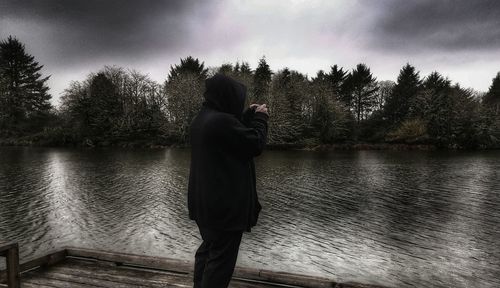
{"x": 402, "y": 219}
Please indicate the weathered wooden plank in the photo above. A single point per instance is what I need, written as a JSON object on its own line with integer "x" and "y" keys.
{"x": 4, "y": 247}
{"x": 54, "y": 283}
{"x": 248, "y": 273}
{"x": 146, "y": 261}
{"x": 154, "y": 278}
{"x": 86, "y": 280}
{"x": 357, "y": 285}
{"x": 187, "y": 267}
{"x": 49, "y": 259}
{"x": 123, "y": 274}
{"x": 13, "y": 273}
{"x": 173, "y": 271}
{"x": 3, "y": 277}
{"x": 296, "y": 279}
{"x": 242, "y": 284}
{"x": 32, "y": 285}
{"x": 46, "y": 260}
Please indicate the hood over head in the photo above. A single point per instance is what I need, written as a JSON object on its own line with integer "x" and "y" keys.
{"x": 225, "y": 94}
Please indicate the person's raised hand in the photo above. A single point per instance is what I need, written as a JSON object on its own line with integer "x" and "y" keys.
{"x": 263, "y": 109}
{"x": 252, "y": 106}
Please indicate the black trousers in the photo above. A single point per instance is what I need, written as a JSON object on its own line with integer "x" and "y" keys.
{"x": 215, "y": 258}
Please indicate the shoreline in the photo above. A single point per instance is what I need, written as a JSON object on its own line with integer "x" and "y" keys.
{"x": 358, "y": 146}
{"x": 152, "y": 144}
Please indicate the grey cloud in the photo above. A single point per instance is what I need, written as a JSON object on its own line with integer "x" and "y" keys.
{"x": 83, "y": 29}
{"x": 436, "y": 24}
{"x": 74, "y": 37}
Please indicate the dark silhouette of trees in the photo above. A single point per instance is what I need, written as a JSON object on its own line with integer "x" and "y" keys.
{"x": 361, "y": 91}
{"x": 452, "y": 115}
{"x": 336, "y": 78}
{"x": 143, "y": 103}
{"x": 467, "y": 125}
{"x": 492, "y": 98}
{"x": 118, "y": 106}
{"x": 245, "y": 75}
{"x": 94, "y": 107}
{"x": 227, "y": 69}
{"x": 188, "y": 66}
{"x": 261, "y": 82}
{"x": 112, "y": 106}
{"x": 399, "y": 103}
{"x": 288, "y": 90}
{"x": 491, "y": 105}
{"x": 329, "y": 117}
{"x": 24, "y": 97}
{"x": 184, "y": 89}
{"x": 104, "y": 107}
{"x": 437, "y": 107}
{"x": 383, "y": 94}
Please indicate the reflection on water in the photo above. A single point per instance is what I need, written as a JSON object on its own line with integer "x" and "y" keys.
{"x": 419, "y": 219}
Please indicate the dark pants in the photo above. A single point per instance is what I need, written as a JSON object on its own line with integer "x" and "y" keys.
{"x": 215, "y": 258}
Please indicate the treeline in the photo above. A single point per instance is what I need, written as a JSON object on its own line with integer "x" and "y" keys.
{"x": 115, "y": 106}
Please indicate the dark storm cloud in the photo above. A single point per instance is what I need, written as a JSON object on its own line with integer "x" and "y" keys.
{"x": 72, "y": 38}
{"x": 82, "y": 29}
{"x": 436, "y": 24}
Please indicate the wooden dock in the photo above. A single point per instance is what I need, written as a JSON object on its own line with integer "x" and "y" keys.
{"x": 84, "y": 268}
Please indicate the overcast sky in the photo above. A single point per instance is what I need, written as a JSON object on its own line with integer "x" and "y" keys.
{"x": 460, "y": 38}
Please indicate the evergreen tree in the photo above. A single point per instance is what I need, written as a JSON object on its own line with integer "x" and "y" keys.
{"x": 188, "y": 65}
{"x": 24, "y": 95}
{"x": 436, "y": 82}
{"x": 4, "y": 104}
{"x": 102, "y": 107}
{"x": 336, "y": 79}
{"x": 244, "y": 74}
{"x": 227, "y": 69}
{"x": 319, "y": 115}
{"x": 398, "y": 105}
{"x": 236, "y": 68}
{"x": 184, "y": 89}
{"x": 467, "y": 124}
{"x": 437, "y": 108}
{"x": 492, "y": 98}
{"x": 245, "y": 69}
{"x": 383, "y": 93}
{"x": 261, "y": 82}
{"x": 361, "y": 90}
{"x": 328, "y": 117}
{"x": 288, "y": 90}
{"x": 432, "y": 87}
{"x": 491, "y": 115}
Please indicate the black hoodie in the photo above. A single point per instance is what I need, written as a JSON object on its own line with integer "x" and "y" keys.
{"x": 224, "y": 140}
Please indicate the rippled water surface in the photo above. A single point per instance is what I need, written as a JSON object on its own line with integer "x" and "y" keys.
{"x": 403, "y": 219}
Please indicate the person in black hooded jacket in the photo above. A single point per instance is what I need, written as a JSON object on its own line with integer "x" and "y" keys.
{"x": 222, "y": 197}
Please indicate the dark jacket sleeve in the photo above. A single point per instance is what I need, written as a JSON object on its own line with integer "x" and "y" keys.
{"x": 244, "y": 141}
{"x": 247, "y": 116}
